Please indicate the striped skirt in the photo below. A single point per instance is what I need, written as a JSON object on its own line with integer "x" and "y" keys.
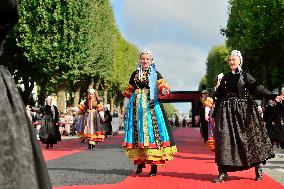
{"x": 148, "y": 137}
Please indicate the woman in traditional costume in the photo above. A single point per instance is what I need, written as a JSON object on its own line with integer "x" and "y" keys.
{"x": 201, "y": 109}
{"x": 241, "y": 138}
{"x": 49, "y": 132}
{"x": 208, "y": 104}
{"x": 148, "y": 137}
{"x": 115, "y": 122}
{"x": 106, "y": 122}
{"x": 208, "y": 115}
{"x": 93, "y": 114}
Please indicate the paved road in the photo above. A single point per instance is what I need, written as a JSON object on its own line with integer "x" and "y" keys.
{"x": 106, "y": 164}
{"x": 275, "y": 167}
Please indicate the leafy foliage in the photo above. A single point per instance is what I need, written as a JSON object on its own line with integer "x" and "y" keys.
{"x": 216, "y": 63}
{"x": 257, "y": 29}
{"x": 69, "y": 40}
{"x": 170, "y": 109}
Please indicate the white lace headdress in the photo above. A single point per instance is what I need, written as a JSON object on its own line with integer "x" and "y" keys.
{"x": 239, "y": 54}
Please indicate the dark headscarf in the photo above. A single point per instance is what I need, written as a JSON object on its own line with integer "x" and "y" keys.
{"x": 8, "y": 18}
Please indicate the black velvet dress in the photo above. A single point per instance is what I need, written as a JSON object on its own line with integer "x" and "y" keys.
{"x": 49, "y": 131}
{"x": 203, "y": 122}
{"x": 241, "y": 137}
{"x": 107, "y": 122}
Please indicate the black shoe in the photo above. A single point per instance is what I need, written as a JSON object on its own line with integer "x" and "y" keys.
{"x": 153, "y": 171}
{"x": 139, "y": 168}
{"x": 258, "y": 173}
{"x": 221, "y": 178}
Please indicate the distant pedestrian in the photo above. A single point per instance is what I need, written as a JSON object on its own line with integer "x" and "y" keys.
{"x": 115, "y": 122}
{"x": 68, "y": 122}
{"x": 29, "y": 113}
{"x": 202, "y": 113}
{"x": 49, "y": 132}
{"x": 106, "y": 121}
{"x": 93, "y": 115}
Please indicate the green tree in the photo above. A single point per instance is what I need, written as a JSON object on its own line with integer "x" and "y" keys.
{"x": 68, "y": 45}
{"x": 48, "y": 41}
{"x": 203, "y": 83}
{"x": 216, "y": 63}
{"x": 125, "y": 60}
{"x": 170, "y": 109}
{"x": 256, "y": 28}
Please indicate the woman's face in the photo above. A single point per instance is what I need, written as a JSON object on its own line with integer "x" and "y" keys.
{"x": 234, "y": 62}
{"x": 48, "y": 100}
{"x": 145, "y": 60}
{"x": 91, "y": 95}
{"x": 203, "y": 96}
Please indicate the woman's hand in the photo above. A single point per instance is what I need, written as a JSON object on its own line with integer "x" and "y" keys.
{"x": 279, "y": 98}
{"x": 165, "y": 91}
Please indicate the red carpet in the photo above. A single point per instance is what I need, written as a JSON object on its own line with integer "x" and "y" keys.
{"x": 63, "y": 148}
{"x": 193, "y": 167}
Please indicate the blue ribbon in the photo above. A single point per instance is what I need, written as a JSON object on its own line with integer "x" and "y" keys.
{"x": 152, "y": 78}
{"x": 140, "y": 71}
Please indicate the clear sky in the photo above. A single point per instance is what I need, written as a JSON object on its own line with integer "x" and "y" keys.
{"x": 179, "y": 33}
